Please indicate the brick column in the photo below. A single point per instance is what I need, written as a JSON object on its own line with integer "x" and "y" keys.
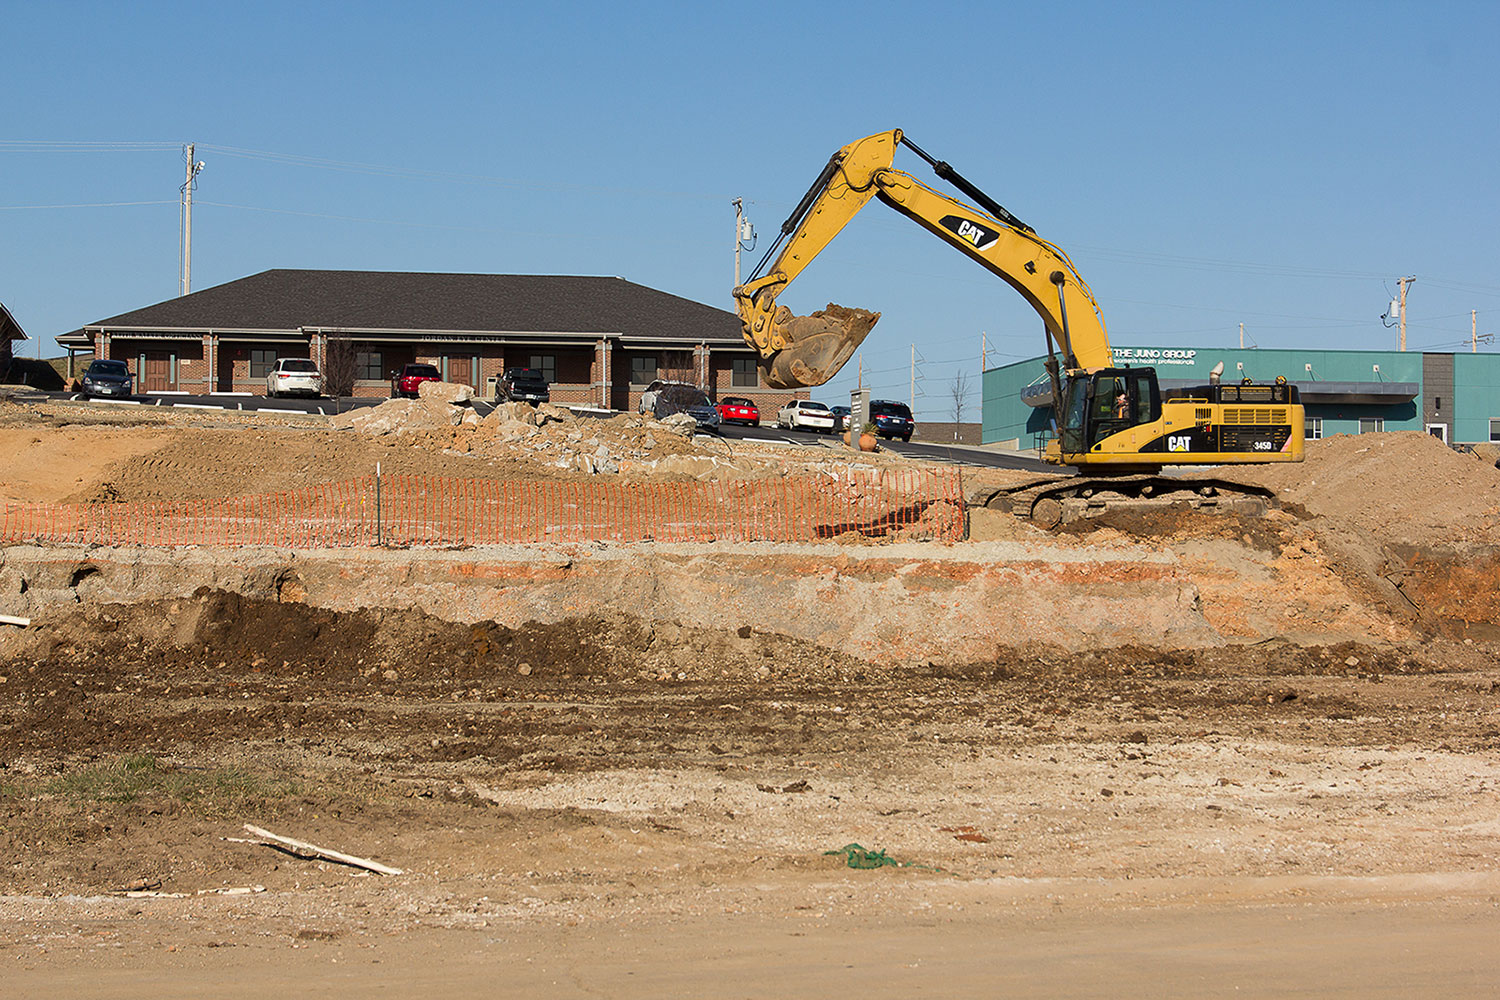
{"x": 606, "y": 351}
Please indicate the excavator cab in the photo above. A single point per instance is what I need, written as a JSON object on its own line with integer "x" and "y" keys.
{"x": 1099, "y": 404}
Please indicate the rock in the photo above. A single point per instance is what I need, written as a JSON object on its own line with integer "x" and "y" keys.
{"x": 445, "y": 392}
{"x": 514, "y": 412}
{"x": 680, "y": 424}
{"x": 547, "y": 412}
{"x": 514, "y": 430}
{"x": 387, "y": 418}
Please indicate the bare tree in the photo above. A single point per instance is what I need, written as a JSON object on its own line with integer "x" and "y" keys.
{"x": 960, "y": 397}
{"x": 677, "y": 366}
{"x": 340, "y": 367}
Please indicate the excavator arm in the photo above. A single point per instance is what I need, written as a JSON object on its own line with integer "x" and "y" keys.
{"x": 797, "y": 351}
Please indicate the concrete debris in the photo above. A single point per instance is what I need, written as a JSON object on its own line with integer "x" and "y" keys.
{"x": 445, "y": 392}
{"x": 681, "y": 424}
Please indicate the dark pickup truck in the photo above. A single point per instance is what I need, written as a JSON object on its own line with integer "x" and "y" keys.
{"x": 524, "y": 385}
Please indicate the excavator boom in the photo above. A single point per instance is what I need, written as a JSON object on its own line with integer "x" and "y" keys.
{"x": 799, "y": 351}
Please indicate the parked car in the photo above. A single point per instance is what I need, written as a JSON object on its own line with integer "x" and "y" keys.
{"x": 805, "y": 414}
{"x": 892, "y": 419}
{"x": 524, "y": 385}
{"x": 648, "y": 398}
{"x": 689, "y": 399}
{"x": 840, "y": 417}
{"x": 408, "y": 381}
{"x": 107, "y": 378}
{"x": 739, "y": 410}
{"x": 294, "y": 376}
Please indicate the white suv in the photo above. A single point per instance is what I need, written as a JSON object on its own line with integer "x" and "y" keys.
{"x": 294, "y": 375}
{"x": 805, "y": 414}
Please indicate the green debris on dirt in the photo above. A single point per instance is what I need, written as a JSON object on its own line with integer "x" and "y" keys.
{"x": 856, "y": 856}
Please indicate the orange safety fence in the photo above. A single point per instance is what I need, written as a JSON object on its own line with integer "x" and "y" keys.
{"x": 430, "y": 511}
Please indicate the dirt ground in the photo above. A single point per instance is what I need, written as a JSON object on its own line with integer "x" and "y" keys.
{"x": 607, "y": 804}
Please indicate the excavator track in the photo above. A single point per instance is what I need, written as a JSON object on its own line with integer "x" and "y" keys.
{"x": 1056, "y": 501}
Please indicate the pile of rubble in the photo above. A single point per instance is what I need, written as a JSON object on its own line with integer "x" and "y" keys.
{"x": 443, "y": 418}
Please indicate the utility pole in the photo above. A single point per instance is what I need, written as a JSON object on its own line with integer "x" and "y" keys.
{"x": 194, "y": 167}
{"x": 1474, "y": 331}
{"x": 984, "y": 352}
{"x": 913, "y": 402}
{"x": 1403, "y": 282}
{"x": 744, "y": 233}
{"x": 1242, "y": 336}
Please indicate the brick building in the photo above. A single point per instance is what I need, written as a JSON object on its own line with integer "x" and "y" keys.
{"x": 10, "y": 331}
{"x": 599, "y": 341}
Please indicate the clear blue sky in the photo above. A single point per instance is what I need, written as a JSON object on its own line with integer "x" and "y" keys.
{"x": 1204, "y": 164}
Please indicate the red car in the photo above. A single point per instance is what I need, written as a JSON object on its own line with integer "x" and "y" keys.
{"x": 411, "y": 378}
{"x": 738, "y": 410}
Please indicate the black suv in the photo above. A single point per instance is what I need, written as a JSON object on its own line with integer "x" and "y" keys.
{"x": 524, "y": 385}
{"x": 892, "y": 419}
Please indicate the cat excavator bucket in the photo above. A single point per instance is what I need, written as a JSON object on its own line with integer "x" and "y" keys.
{"x": 810, "y": 350}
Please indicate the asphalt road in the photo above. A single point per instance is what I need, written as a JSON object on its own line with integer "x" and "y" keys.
{"x": 931, "y": 452}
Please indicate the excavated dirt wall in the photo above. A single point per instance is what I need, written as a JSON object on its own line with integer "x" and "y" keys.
{"x": 894, "y": 603}
{"x": 902, "y": 603}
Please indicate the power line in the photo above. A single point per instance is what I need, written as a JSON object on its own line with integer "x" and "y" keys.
{"x": 96, "y": 204}
{"x": 69, "y": 146}
{"x": 422, "y": 174}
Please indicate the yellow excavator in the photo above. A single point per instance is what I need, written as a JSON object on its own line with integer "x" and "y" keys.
{"x": 1114, "y": 425}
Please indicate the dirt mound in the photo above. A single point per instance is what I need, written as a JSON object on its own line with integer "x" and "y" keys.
{"x": 1403, "y": 486}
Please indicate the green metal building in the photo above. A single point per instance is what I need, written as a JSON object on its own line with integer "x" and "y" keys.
{"x": 1455, "y": 397}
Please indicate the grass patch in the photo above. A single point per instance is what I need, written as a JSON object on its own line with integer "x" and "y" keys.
{"x": 142, "y": 776}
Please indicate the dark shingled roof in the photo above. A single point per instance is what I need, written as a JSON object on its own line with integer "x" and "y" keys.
{"x": 285, "y": 299}
{"x": 9, "y": 328}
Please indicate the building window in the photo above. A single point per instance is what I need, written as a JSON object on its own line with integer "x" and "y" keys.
{"x": 1371, "y": 425}
{"x": 643, "y": 369}
{"x": 1313, "y": 428}
{"x": 261, "y": 362}
{"x": 745, "y": 375}
{"x": 1495, "y": 430}
{"x": 546, "y": 364}
{"x": 367, "y": 366}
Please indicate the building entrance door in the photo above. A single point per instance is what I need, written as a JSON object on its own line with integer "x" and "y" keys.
{"x": 159, "y": 371}
{"x": 1439, "y": 431}
{"x": 460, "y": 370}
